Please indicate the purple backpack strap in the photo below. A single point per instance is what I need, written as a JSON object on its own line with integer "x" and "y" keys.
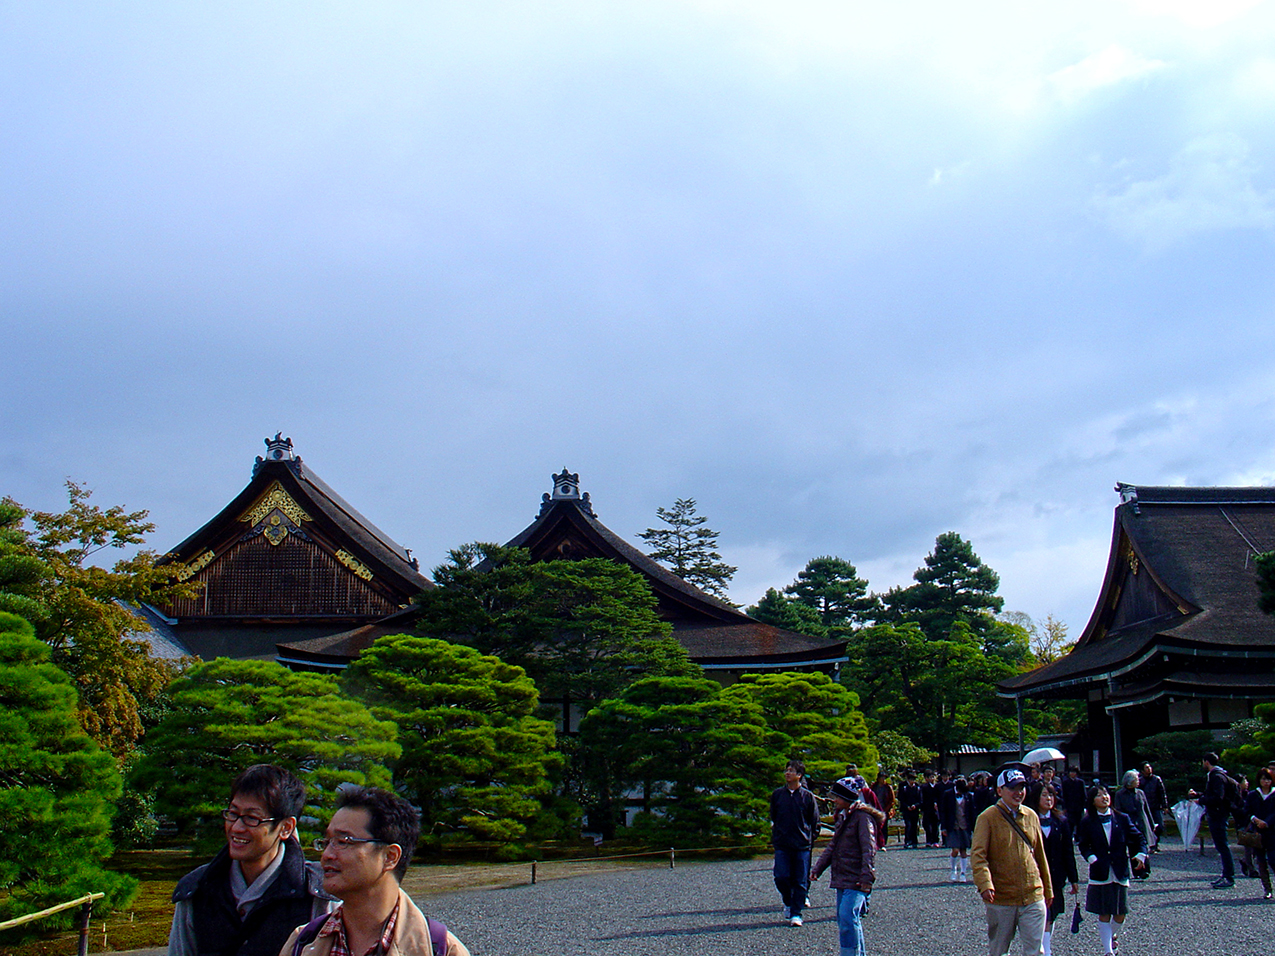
{"x": 308, "y": 933}
{"x": 437, "y": 936}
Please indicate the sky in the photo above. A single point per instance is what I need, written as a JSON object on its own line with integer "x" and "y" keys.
{"x": 850, "y": 275}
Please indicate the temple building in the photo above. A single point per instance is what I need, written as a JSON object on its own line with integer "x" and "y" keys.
{"x": 287, "y": 559}
{"x": 719, "y": 637}
{"x": 1176, "y": 641}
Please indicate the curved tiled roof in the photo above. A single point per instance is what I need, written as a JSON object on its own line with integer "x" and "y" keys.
{"x": 1197, "y": 546}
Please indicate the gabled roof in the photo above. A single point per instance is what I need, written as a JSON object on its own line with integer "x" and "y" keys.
{"x": 715, "y": 634}
{"x": 1179, "y": 578}
{"x": 286, "y": 497}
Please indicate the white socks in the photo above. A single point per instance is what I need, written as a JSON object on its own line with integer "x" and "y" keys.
{"x": 954, "y": 864}
{"x": 1047, "y": 942}
{"x": 1105, "y": 933}
{"x": 965, "y": 865}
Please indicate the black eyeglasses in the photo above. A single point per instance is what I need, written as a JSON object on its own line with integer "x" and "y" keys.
{"x": 249, "y": 819}
{"x": 340, "y": 842}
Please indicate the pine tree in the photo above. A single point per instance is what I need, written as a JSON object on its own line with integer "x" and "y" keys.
{"x": 812, "y": 718}
{"x": 475, "y": 756}
{"x": 57, "y": 787}
{"x": 791, "y": 615}
{"x": 698, "y": 756}
{"x": 953, "y": 586}
{"x": 689, "y": 549}
{"x": 833, "y": 588}
{"x": 583, "y": 630}
{"x": 228, "y": 715}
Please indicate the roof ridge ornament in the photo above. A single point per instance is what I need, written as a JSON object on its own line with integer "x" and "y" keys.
{"x": 566, "y": 487}
{"x": 277, "y": 449}
{"x": 1128, "y": 493}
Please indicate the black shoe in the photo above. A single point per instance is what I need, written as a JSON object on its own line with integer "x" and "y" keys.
{"x": 1222, "y": 883}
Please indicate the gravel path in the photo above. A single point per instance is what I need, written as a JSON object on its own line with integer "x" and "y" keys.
{"x": 731, "y": 908}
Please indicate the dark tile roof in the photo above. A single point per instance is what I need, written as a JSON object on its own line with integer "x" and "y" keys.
{"x": 1197, "y": 545}
{"x": 162, "y": 638}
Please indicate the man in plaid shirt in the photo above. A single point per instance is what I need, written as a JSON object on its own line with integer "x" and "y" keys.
{"x": 365, "y": 855}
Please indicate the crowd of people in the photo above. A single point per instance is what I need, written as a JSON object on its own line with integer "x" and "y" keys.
{"x": 1015, "y": 835}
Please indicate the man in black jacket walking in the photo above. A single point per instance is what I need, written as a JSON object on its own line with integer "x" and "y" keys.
{"x": 258, "y": 888}
{"x": 1217, "y": 803}
{"x": 794, "y": 824}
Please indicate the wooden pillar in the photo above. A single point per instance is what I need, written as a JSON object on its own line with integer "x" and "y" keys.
{"x": 1018, "y": 705}
{"x": 1117, "y": 744}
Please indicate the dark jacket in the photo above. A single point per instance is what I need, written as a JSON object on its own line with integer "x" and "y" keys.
{"x": 1074, "y": 800}
{"x": 947, "y": 809}
{"x": 853, "y": 849}
{"x": 1157, "y": 798}
{"x": 910, "y": 798}
{"x": 984, "y": 797}
{"x": 1263, "y": 808}
{"x": 287, "y": 904}
{"x": 794, "y": 819}
{"x": 930, "y": 799}
{"x": 1060, "y": 853}
{"x": 1214, "y": 797}
{"x": 1110, "y": 860}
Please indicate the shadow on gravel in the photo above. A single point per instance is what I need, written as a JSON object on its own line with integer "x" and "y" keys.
{"x": 742, "y": 911}
{"x": 708, "y": 929}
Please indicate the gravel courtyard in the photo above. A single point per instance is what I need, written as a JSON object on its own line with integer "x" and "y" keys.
{"x": 731, "y": 908}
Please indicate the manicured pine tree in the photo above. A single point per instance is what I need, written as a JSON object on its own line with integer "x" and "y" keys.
{"x": 699, "y": 756}
{"x": 57, "y": 787}
{"x": 811, "y": 717}
{"x": 475, "y": 757}
{"x": 228, "y": 715}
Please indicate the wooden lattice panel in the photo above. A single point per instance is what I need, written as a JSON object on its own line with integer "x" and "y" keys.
{"x": 295, "y": 577}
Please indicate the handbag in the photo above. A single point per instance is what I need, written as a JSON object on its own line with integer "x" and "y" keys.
{"x": 1250, "y": 837}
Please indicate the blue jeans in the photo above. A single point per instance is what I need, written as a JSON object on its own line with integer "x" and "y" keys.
{"x": 1217, "y": 827}
{"x": 849, "y": 911}
{"x": 792, "y": 877}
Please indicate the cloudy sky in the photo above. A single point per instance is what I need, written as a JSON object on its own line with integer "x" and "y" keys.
{"x": 849, "y": 274}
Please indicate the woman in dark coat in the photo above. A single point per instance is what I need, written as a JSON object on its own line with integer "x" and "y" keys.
{"x": 1132, "y": 801}
{"x": 1260, "y": 810}
{"x": 1058, "y": 850}
{"x": 1108, "y": 840}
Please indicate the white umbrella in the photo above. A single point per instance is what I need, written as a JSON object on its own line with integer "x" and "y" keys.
{"x": 1041, "y": 754}
{"x": 1188, "y": 814}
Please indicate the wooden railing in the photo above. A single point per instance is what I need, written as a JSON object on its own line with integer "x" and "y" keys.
{"x": 86, "y": 912}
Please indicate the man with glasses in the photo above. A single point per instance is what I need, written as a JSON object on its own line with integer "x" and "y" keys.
{"x": 1011, "y": 870}
{"x": 258, "y": 888}
{"x": 366, "y": 850}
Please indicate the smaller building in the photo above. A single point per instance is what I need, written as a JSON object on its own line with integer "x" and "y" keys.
{"x": 287, "y": 559}
{"x": 1176, "y": 641}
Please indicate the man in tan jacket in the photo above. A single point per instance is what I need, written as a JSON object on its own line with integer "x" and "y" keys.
{"x": 365, "y": 854}
{"x": 1010, "y": 869}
